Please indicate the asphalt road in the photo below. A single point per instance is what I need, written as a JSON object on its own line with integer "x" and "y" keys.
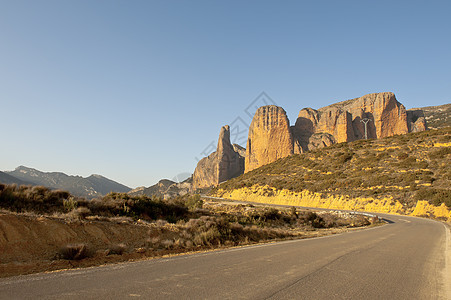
{"x": 405, "y": 259}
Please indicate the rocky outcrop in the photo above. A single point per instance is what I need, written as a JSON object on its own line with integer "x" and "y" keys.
{"x": 226, "y": 163}
{"x": 435, "y": 116}
{"x": 240, "y": 150}
{"x": 416, "y": 120}
{"x": 270, "y": 137}
{"x": 345, "y": 121}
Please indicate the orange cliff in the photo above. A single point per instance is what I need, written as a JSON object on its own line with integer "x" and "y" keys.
{"x": 269, "y": 137}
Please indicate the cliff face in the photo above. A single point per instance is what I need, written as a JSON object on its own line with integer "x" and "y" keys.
{"x": 416, "y": 120}
{"x": 343, "y": 121}
{"x": 225, "y": 163}
{"x": 269, "y": 137}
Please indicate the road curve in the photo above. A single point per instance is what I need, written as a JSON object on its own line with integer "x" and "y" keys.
{"x": 401, "y": 260}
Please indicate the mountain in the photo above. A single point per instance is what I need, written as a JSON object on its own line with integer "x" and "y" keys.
{"x": 90, "y": 187}
{"x": 407, "y": 174}
{"x": 271, "y": 137}
{"x": 371, "y": 116}
{"x": 165, "y": 188}
{"x": 8, "y": 179}
{"x": 104, "y": 185}
{"x": 225, "y": 163}
{"x": 437, "y": 116}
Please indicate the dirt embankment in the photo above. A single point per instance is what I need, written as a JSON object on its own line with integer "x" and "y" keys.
{"x": 30, "y": 244}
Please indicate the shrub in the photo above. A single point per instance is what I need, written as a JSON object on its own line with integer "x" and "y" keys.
{"x": 80, "y": 212}
{"x": 69, "y": 204}
{"x": 118, "y": 249}
{"x": 329, "y": 220}
{"x": 194, "y": 202}
{"x": 312, "y": 219}
{"x": 32, "y": 198}
{"x": 408, "y": 162}
{"x": 74, "y": 251}
{"x": 434, "y": 196}
{"x": 293, "y": 212}
{"x": 403, "y": 156}
{"x": 440, "y": 153}
{"x": 359, "y": 221}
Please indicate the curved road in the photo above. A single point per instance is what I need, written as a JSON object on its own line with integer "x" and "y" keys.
{"x": 405, "y": 259}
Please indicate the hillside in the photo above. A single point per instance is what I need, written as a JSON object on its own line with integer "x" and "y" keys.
{"x": 437, "y": 116}
{"x": 8, "y": 179}
{"x": 92, "y": 186}
{"x": 400, "y": 170}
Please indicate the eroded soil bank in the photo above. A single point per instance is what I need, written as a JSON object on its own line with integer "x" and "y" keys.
{"x": 30, "y": 243}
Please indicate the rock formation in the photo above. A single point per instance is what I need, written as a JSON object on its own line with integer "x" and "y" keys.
{"x": 227, "y": 162}
{"x": 342, "y": 122}
{"x": 416, "y": 120}
{"x": 240, "y": 150}
{"x": 269, "y": 137}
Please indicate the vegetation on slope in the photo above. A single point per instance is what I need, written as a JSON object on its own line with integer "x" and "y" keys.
{"x": 42, "y": 200}
{"x": 407, "y": 168}
{"x": 180, "y": 210}
{"x": 437, "y": 116}
{"x": 44, "y": 229}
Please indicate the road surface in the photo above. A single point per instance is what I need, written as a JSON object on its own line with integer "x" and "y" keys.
{"x": 405, "y": 259}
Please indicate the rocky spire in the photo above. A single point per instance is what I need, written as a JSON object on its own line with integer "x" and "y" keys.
{"x": 221, "y": 165}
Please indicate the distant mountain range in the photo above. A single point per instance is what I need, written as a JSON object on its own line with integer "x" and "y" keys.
{"x": 89, "y": 187}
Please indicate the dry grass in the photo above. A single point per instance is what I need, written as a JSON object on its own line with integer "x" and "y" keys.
{"x": 98, "y": 240}
{"x": 178, "y": 225}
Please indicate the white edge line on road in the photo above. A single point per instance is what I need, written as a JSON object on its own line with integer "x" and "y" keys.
{"x": 447, "y": 268}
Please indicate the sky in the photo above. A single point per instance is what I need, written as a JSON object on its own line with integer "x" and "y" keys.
{"x": 137, "y": 90}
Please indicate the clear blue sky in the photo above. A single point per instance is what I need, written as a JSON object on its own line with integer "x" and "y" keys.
{"x": 135, "y": 90}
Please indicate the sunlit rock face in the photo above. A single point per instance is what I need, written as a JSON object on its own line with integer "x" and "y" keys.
{"x": 269, "y": 137}
{"x": 345, "y": 121}
{"x": 225, "y": 163}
